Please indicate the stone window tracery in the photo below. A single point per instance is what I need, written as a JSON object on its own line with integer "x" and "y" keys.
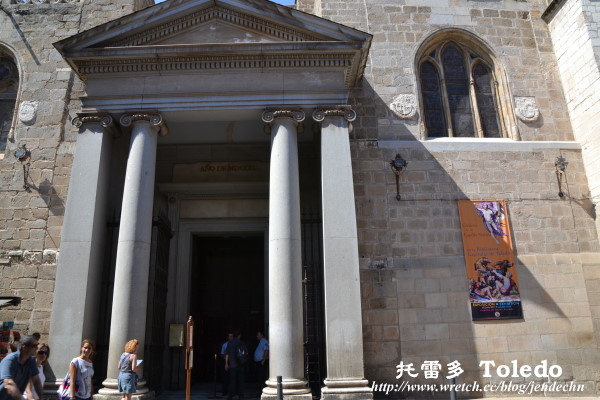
{"x": 459, "y": 92}
{"x": 9, "y": 87}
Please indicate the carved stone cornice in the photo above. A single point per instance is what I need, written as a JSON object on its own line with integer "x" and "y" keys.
{"x": 169, "y": 38}
{"x": 272, "y": 113}
{"x": 102, "y": 118}
{"x": 187, "y": 22}
{"x": 155, "y": 119}
{"x": 217, "y": 62}
{"x": 322, "y": 112}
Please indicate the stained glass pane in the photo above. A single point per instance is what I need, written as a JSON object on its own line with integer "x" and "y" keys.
{"x": 485, "y": 101}
{"x": 457, "y": 87}
{"x": 432, "y": 101}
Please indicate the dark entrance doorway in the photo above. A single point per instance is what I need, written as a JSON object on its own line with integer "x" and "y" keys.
{"x": 227, "y": 293}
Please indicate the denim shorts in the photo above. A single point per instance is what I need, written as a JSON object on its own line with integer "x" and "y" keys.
{"x": 127, "y": 382}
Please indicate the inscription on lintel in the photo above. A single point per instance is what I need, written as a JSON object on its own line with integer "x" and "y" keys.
{"x": 244, "y": 171}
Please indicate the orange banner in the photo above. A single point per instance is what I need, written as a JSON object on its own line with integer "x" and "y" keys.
{"x": 490, "y": 261}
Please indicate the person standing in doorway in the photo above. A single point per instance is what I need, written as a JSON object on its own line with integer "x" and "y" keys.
{"x": 236, "y": 356}
{"x": 261, "y": 358}
{"x": 225, "y": 380}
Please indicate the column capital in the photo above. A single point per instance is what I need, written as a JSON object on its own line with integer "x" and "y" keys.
{"x": 272, "y": 113}
{"x": 154, "y": 117}
{"x": 345, "y": 111}
{"x": 102, "y": 118}
{"x": 288, "y": 112}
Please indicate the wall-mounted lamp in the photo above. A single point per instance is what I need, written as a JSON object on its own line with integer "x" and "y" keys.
{"x": 398, "y": 164}
{"x": 379, "y": 265}
{"x": 6, "y": 301}
{"x": 24, "y": 155}
{"x": 561, "y": 165}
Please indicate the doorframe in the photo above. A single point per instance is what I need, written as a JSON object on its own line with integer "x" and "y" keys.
{"x": 180, "y": 258}
{"x": 180, "y": 271}
{"x": 187, "y": 230}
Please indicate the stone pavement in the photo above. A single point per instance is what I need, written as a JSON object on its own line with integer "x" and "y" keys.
{"x": 252, "y": 392}
{"x": 206, "y": 391}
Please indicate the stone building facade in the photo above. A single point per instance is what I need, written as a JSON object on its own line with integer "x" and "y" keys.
{"x": 81, "y": 80}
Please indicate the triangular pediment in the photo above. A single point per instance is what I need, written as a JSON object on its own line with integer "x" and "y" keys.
{"x": 215, "y": 31}
{"x": 214, "y": 20}
{"x": 195, "y": 34}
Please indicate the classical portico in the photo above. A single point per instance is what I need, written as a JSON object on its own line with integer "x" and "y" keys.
{"x": 214, "y": 72}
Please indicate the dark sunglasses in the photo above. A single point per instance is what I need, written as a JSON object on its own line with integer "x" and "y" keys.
{"x": 33, "y": 346}
{"x": 42, "y": 353}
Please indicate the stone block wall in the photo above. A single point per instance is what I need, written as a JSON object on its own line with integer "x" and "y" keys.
{"x": 29, "y": 275}
{"x": 416, "y": 307}
{"x": 518, "y": 37}
{"x": 97, "y": 12}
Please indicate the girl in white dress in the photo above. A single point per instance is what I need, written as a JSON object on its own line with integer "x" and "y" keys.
{"x": 81, "y": 371}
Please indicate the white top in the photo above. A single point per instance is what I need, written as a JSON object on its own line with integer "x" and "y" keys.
{"x": 83, "y": 378}
{"x": 42, "y": 381}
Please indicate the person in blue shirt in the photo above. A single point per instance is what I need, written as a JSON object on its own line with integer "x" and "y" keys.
{"x": 225, "y": 377}
{"x": 18, "y": 369}
{"x": 261, "y": 357}
{"x": 235, "y": 365}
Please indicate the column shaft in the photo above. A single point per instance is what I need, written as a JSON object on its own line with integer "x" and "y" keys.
{"x": 343, "y": 320}
{"x": 78, "y": 276}
{"x": 128, "y": 320}
{"x": 285, "y": 263}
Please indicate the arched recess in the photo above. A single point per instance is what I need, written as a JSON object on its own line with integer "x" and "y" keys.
{"x": 462, "y": 88}
{"x": 9, "y": 93}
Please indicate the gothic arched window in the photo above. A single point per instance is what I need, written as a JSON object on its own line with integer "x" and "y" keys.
{"x": 458, "y": 92}
{"x": 9, "y": 87}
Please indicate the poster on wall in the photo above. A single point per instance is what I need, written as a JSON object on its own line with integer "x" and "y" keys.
{"x": 490, "y": 261}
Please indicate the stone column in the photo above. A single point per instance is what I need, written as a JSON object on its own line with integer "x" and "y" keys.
{"x": 343, "y": 320}
{"x": 286, "y": 331}
{"x": 130, "y": 290}
{"x": 79, "y": 273}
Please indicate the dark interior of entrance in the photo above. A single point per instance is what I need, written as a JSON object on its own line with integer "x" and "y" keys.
{"x": 227, "y": 293}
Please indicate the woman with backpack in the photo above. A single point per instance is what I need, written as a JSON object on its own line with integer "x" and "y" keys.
{"x": 128, "y": 365}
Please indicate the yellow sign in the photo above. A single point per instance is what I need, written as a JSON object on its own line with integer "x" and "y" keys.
{"x": 490, "y": 260}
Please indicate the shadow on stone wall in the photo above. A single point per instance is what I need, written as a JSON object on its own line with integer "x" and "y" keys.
{"x": 413, "y": 281}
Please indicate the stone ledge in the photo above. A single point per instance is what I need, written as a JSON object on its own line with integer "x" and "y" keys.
{"x": 479, "y": 145}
